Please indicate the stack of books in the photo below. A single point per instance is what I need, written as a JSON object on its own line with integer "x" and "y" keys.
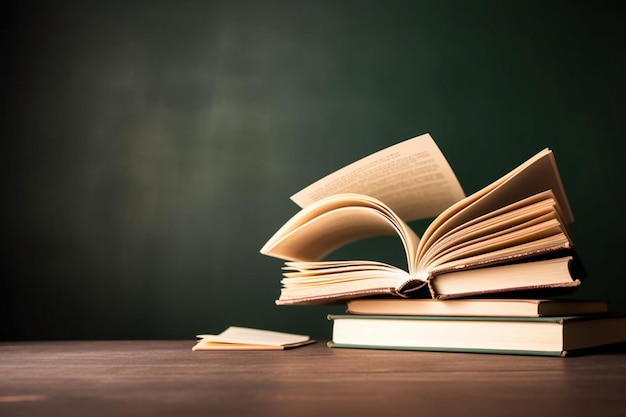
{"x": 465, "y": 274}
{"x": 547, "y": 327}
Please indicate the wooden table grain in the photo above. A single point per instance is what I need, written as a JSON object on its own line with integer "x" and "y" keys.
{"x": 165, "y": 378}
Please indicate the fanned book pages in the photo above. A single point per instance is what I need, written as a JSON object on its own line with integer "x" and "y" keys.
{"x": 511, "y": 235}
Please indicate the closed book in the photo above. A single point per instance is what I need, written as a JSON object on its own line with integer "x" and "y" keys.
{"x": 498, "y": 307}
{"x": 549, "y": 336}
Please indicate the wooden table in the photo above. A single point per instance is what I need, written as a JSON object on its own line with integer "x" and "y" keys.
{"x": 165, "y": 378}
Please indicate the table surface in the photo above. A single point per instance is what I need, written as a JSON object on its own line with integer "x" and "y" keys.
{"x": 165, "y": 378}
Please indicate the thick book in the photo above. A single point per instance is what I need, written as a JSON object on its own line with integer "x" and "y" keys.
{"x": 511, "y": 235}
{"x": 549, "y": 336}
{"x": 493, "y": 307}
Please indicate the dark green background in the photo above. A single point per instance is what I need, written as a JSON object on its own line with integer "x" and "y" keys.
{"x": 149, "y": 149}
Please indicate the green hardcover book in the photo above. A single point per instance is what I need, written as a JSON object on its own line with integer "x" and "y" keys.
{"x": 548, "y": 336}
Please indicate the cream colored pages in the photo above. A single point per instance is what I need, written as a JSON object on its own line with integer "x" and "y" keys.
{"x": 318, "y": 237}
{"x": 534, "y": 176}
{"x": 497, "y": 221}
{"x": 412, "y": 177}
{"x": 544, "y": 272}
{"x": 332, "y": 222}
{"x": 244, "y": 338}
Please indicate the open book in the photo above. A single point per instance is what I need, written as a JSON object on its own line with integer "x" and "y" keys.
{"x": 245, "y": 338}
{"x": 512, "y": 235}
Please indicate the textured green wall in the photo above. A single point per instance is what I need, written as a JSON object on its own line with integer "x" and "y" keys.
{"x": 150, "y": 149}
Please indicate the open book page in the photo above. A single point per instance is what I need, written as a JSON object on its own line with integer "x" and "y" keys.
{"x": 534, "y": 176}
{"x": 342, "y": 284}
{"x": 244, "y": 338}
{"x": 318, "y": 282}
{"x": 412, "y": 177}
{"x": 529, "y": 220}
{"x": 495, "y": 223}
{"x": 335, "y": 221}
